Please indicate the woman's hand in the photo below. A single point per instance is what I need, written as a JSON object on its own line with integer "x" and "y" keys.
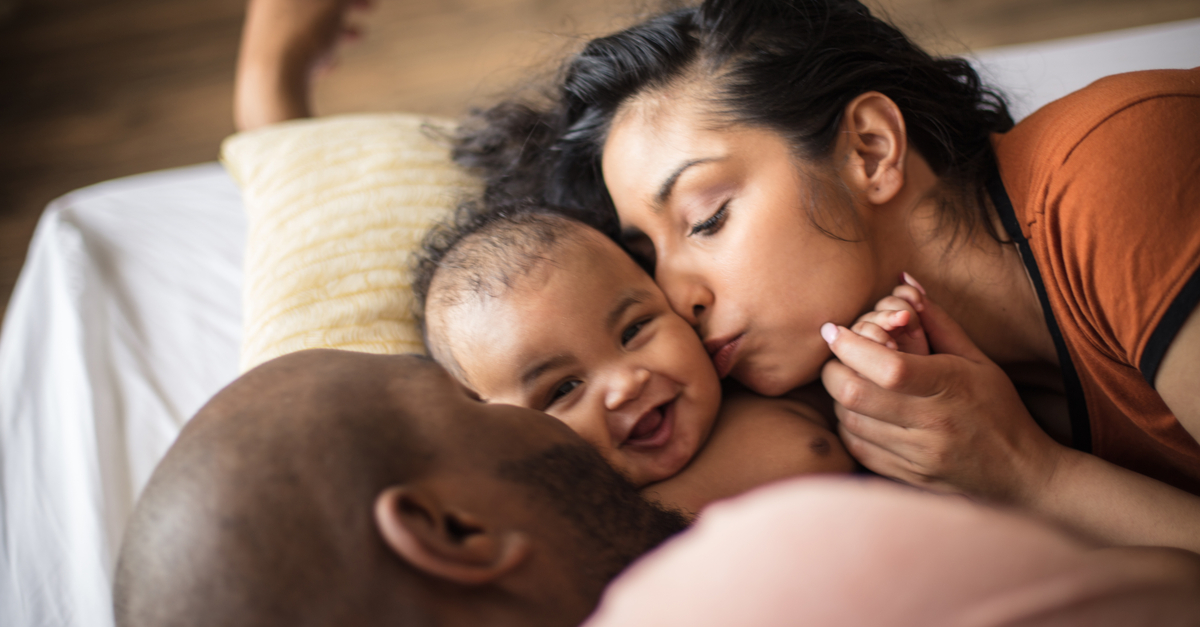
{"x": 283, "y": 43}
{"x": 950, "y": 422}
{"x": 953, "y": 422}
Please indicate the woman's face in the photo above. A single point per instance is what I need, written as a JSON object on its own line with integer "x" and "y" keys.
{"x": 726, "y": 210}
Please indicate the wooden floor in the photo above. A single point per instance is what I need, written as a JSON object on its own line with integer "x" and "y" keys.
{"x": 96, "y": 89}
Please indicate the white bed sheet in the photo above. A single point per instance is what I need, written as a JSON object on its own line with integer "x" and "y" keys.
{"x": 127, "y": 315}
{"x": 125, "y": 320}
{"x": 1032, "y": 75}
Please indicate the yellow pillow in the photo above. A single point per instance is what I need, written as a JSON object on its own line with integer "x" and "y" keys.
{"x": 335, "y": 206}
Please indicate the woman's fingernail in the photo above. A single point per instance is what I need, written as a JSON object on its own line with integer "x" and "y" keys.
{"x": 829, "y": 331}
{"x": 913, "y": 282}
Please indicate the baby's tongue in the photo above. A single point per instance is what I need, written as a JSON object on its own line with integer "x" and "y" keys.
{"x": 646, "y": 425}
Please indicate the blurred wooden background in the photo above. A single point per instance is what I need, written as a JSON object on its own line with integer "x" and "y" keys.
{"x": 95, "y": 89}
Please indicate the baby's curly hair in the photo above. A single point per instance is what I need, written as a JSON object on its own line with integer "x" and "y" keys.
{"x": 482, "y": 251}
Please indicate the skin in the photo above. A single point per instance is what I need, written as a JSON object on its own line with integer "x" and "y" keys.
{"x": 1176, "y": 378}
{"x": 893, "y": 196}
{"x": 757, "y": 440}
{"x": 608, "y": 370}
{"x": 739, "y": 257}
{"x": 601, "y": 351}
{"x": 952, "y": 421}
{"x": 285, "y": 44}
{"x": 350, "y": 519}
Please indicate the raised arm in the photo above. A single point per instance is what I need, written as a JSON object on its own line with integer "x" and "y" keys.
{"x": 1178, "y": 373}
{"x": 284, "y": 42}
{"x": 953, "y": 422}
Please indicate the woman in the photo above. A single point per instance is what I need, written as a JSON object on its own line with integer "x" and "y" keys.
{"x": 781, "y": 163}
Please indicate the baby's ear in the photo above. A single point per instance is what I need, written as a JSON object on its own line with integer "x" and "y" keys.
{"x": 443, "y": 541}
{"x": 876, "y": 143}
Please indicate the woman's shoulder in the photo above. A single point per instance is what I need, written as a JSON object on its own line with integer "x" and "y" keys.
{"x": 1050, "y": 135}
{"x": 1102, "y": 125}
{"x": 1103, "y": 185}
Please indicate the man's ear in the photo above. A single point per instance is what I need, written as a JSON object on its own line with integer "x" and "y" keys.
{"x": 874, "y": 142}
{"x": 445, "y": 542}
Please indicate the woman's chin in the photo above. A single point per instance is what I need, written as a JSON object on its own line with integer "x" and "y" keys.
{"x": 765, "y": 383}
{"x": 776, "y": 379}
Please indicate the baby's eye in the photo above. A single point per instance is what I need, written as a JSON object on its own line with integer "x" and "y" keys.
{"x": 712, "y": 224}
{"x": 563, "y": 389}
{"x": 631, "y": 332}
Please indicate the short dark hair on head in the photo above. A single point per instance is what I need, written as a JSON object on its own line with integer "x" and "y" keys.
{"x": 484, "y": 250}
{"x": 791, "y": 66}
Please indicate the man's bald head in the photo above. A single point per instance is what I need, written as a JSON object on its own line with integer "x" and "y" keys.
{"x": 332, "y": 488}
{"x": 272, "y": 484}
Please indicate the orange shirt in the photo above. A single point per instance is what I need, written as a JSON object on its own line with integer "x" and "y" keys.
{"x": 1105, "y": 187}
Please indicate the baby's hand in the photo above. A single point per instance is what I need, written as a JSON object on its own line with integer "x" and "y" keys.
{"x": 896, "y": 321}
{"x": 283, "y": 43}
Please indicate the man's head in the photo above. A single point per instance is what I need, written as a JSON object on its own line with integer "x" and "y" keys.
{"x": 333, "y": 488}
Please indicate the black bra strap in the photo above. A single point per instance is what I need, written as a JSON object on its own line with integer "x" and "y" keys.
{"x": 1081, "y": 427}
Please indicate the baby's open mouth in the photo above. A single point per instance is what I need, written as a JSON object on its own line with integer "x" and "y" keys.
{"x": 654, "y": 428}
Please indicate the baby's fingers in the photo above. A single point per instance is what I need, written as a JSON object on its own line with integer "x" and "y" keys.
{"x": 914, "y": 297}
{"x": 889, "y": 318}
{"x": 874, "y": 332}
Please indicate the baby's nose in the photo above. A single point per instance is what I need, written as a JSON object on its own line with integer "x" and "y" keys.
{"x": 626, "y": 386}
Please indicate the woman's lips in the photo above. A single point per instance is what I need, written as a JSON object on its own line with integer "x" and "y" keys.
{"x": 722, "y": 357}
{"x": 655, "y": 428}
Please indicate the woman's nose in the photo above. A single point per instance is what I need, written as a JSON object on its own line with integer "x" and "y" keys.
{"x": 624, "y": 386}
{"x": 685, "y": 292}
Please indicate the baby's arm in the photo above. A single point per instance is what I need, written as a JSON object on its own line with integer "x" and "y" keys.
{"x": 756, "y": 440}
{"x": 283, "y": 43}
{"x": 896, "y": 321}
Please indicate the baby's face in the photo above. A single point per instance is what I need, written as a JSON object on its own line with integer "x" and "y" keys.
{"x": 591, "y": 340}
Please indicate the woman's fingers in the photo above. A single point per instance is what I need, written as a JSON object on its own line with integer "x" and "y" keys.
{"x": 858, "y": 394}
{"x": 878, "y": 459}
{"x": 945, "y": 336}
{"x": 878, "y": 432}
{"x": 915, "y": 375}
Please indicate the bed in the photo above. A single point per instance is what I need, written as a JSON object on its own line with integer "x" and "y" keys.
{"x": 127, "y": 317}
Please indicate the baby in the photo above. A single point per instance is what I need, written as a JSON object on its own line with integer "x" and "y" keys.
{"x": 537, "y": 310}
{"x": 543, "y": 312}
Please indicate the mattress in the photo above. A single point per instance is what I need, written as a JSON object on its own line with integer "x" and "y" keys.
{"x": 126, "y": 319}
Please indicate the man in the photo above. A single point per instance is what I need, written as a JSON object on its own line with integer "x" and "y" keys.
{"x": 333, "y": 488}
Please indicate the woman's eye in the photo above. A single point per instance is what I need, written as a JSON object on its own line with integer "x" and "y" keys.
{"x": 712, "y": 224}
{"x": 563, "y": 389}
{"x": 631, "y": 332}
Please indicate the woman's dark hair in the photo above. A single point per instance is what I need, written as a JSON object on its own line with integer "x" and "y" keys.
{"x": 791, "y": 66}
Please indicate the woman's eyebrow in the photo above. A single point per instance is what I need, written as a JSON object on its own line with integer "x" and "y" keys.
{"x": 668, "y": 185}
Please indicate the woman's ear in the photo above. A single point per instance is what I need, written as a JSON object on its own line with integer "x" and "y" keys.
{"x": 444, "y": 542}
{"x": 875, "y": 145}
